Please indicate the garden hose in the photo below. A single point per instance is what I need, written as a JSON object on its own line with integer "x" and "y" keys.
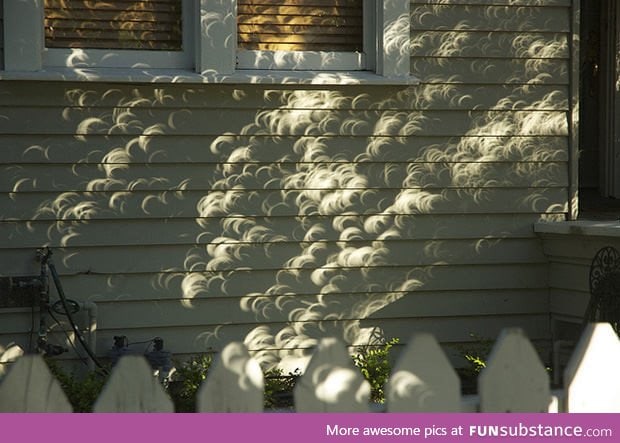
{"x": 68, "y": 308}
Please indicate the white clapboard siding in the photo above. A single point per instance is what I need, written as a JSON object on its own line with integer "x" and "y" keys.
{"x": 396, "y": 208}
{"x": 422, "y": 381}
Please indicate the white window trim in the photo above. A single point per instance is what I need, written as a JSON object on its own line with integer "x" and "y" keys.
{"x": 210, "y": 40}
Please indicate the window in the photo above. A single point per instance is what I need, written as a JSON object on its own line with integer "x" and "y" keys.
{"x": 98, "y": 34}
{"x": 302, "y": 34}
{"x": 113, "y": 24}
{"x": 117, "y": 33}
{"x": 209, "y": 40}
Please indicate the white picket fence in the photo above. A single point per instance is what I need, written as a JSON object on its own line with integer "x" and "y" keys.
{"x": 423, "y": 380}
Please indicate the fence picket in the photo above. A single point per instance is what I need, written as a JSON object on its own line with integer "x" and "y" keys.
{"x": 31, "y": 387}
{"x": 423, "y": 379}
{"x": 331, "y": 383}
{"x": 591, "y": 376}
{"x": 235, "y": 383}
{"x": 514, "y": 380}
{"x": 133, "y": 388}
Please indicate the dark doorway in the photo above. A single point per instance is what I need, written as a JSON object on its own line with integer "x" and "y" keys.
{"x": 599, "y": 136}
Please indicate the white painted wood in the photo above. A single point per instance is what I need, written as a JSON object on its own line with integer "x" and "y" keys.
{"x": 30, "y": 387}
{"x": 234, "y": 384}
{"x": 514, "y": 380}
{"x": 393, "y": 36}
{"x": 216, "y": 42}
{"x": 8, "y": 356}
{"x": 331, "y": 383}
{"x": 133, "y": 388}
{"x": 591, "y": 376}
{"x": 23, "y": 35}
{"x": 423, "y": 380}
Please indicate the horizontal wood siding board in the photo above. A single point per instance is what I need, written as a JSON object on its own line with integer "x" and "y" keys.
{"x": 490, "y": 18}
{"x": 446, "y": 330}
{"x": 569, "y": 276}
{"x": 491, "y": 71}
{"x": 278, "y": 176}
{"x": 22, "y": 150}
{"x": 174, "y": 231}
{"x": 491, "y": 44}
{"x": 85, "y": 121}
{"x": 203, "y": 338}
{"x": 142, "y": 204}
{"x": 210, "y": 312}
{"x": 326, "y": 256}
{"x": 569, "y": 303}
{"x": 146, "y": 286}
{"x": 575, "y": 248}
{"x": 439, "y": 97}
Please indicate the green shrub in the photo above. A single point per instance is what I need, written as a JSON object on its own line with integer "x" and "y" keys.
{"x": 475, "y": 354}
{"x": 81, "y": 391}
{"x": 374, "y": 364}
{"x": 188, "y": 377}
{"x": 279, "y": 388}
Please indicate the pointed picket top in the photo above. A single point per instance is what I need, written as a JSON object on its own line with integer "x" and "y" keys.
{"x": 423, "y": 379}
{"x": 9, "y": 356}
{"x": 514, "y": 380}
{"x": 234, "y": 384}
{"x": 591, "y": 377}
{"x": 133, "y": 388}
{"x": 331, "y": 382}
{"x": 30, "y": 387}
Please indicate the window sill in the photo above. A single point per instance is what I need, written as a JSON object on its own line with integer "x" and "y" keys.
{"x": 580, "y": 227}
{"x": 145, "y": 75}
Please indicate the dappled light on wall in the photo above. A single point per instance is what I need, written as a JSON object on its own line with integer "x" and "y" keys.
{"x": 279, "y": 215}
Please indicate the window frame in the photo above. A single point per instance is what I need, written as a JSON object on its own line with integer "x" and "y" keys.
{"x": 210, "y": 43}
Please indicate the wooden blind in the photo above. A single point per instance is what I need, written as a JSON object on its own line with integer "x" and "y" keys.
{"x": 114, "y": 24}
{"x": 300, "y": 25}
